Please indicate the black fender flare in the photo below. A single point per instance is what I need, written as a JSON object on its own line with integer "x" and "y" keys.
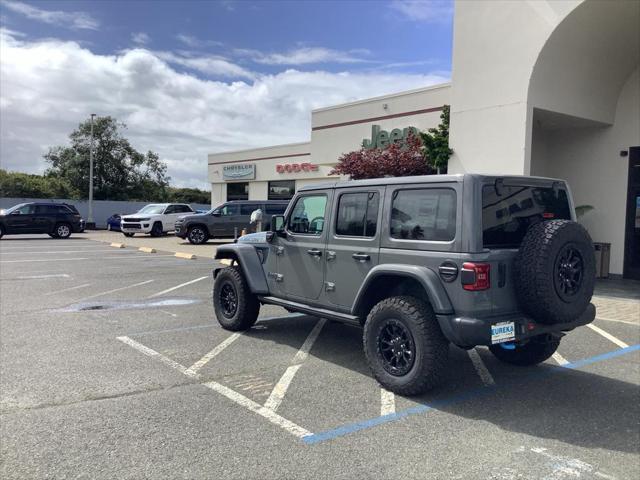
{"x": 427, "y": 278}
{"x": 249, "y": 261}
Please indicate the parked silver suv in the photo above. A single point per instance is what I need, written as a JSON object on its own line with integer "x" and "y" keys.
{"x": 422, "y": 262}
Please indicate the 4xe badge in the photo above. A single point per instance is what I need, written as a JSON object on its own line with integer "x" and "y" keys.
{"x": 503, "y": 332}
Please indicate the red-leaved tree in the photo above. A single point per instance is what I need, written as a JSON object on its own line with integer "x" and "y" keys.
{"x": 398, "y": 160}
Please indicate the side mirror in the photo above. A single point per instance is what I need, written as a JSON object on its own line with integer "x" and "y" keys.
{"x": 277, "y": 225}
{"x": 216, "y": 213}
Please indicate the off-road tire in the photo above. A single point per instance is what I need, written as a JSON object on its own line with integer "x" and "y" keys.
{"x": 535, "y": 351}
{"x": 431, "y": 347}
{"x": 62, "y": 230}
{"x": 197, "y": 235}
{"x": 247, "y": 307}
{"x": 128, "y": 234}
{"x": 538, "y": 270}
{"x": 156, "y": 230}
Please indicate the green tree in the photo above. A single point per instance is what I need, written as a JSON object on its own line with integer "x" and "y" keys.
{"x": 24, "y": 185}
{"x": 436, "y": 143}
{"x": 188, "y": 195}
{"x": 120, "y": 171}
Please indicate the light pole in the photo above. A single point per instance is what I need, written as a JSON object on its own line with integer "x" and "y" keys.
{"x": 90, "y": 223}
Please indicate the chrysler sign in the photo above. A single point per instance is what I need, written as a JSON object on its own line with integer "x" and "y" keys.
{"x": 240, "y": 171}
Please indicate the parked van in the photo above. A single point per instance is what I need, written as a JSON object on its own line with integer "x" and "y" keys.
{"x": 227, "y": 219}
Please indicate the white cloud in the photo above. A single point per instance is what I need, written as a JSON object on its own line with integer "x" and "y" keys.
{"x": 211, "y": 65}
{"x": 50, "y": 86}
{"x": 307, "y": 55}
{"x": 425, "y": 10}
{"x": 74, "y": 20}
{"x": 193, "y": 42}
{"x": 140, "y": 38}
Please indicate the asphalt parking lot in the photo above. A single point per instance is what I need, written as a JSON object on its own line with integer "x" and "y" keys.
{"x": 113, "y": 366}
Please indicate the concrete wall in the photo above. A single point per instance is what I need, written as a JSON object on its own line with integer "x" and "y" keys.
{"x": 102, "y": 209}
{"x": 495, "y": 46}
{"x": 589, "y": 158}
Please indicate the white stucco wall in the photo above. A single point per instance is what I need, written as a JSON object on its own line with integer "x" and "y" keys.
{"x": 589, "y": 158}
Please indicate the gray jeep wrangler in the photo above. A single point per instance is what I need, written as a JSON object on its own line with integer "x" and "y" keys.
{"x": 421, "y": 262}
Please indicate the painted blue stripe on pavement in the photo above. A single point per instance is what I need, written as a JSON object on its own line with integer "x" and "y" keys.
{"x": 366, "y": 424}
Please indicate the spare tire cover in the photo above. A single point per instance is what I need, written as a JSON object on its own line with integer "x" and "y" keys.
{"x": 555, "y": 271}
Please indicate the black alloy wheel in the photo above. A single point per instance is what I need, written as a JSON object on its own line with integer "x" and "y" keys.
{"x": 396, "y": 348}
{"x": 569, "y": 272}
{"x": 197, "y": 236}
{"x": 228, "y": 300}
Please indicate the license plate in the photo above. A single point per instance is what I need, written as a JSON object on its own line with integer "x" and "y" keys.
{"x": 503, "y": 332}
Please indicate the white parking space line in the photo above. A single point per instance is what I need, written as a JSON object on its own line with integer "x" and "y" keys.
{"x": 152, "y": 353}
{"x": 44, "y": 260}
{"x": 280, "y": 389}
{"x": 177, "y": 287}
{"x": 480, "y": 367}
{"x": 193, "y": 369}
{"x": 78, "y": 287}
{"x": 387, "y": 402}
{"x": 85, "y": 252}
{"x": 236, "y": 397}
{"x": 114, "y": 290}
{"x": 270, "y": 415}
{"x": 607, "y": 335}
{"x": 560, "y": 360}
{"x": 38, "y": 277}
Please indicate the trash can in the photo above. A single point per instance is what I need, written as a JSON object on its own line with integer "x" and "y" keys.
{"x": 603, "y": 254}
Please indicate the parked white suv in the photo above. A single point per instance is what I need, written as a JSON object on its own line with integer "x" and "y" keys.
{"x": 156, "y": 219}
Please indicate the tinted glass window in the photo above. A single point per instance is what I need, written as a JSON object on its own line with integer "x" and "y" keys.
{"x": 357, "y": 214}
{"x": 275, "y": 209}
{"x": 308, "y": 215}
{"x": 248, "y": 209}
{"x": 238, "y": 191}
{"x": 424, "y": 214}
{"x": 230, "y": 209}
{"x": 183, "y": 209}
{"x": 282, "y": 189}
{"x": 506, "y": 217}
{"x": 24, "y": 210}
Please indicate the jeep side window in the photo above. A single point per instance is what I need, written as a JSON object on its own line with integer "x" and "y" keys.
{"x": 357, "y": 214}
{"x": 307, "y": 215}
{"x": 427, "y": 214}
{"x": 248, "y": 209}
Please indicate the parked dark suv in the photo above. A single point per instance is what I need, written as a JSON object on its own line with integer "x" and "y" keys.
{"x": 58, "y": 220}
{"x": 226, "y": 219}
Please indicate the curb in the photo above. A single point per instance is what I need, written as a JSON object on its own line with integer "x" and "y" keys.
{"x": 118, "y": 245}
{"x": 147, "y": 250}
{"x": 187, "y": 256}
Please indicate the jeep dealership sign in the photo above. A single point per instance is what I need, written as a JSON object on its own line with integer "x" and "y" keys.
{"x": 382, "y": 138}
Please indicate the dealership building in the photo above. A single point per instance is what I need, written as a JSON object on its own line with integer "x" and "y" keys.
{"x": 547, "y": 88}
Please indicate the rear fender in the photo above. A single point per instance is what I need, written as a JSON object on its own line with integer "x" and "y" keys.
{"x": 426, "y": 277}
{"x": 250, "y": 264}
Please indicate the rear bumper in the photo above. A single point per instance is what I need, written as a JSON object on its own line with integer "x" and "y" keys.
{"x": 469, "y": 332}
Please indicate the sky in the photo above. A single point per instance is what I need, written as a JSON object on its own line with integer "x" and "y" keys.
{"x": 190, "y": 78}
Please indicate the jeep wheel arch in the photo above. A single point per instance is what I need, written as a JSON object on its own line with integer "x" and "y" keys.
{"x": 250, "y": 264}
{"x": 412, "y": 276}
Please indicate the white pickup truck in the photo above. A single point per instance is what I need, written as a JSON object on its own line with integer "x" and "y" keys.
{"x": 156, "y": 219}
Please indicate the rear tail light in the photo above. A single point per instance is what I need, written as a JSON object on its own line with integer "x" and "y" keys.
{"x": 475, "y": 276}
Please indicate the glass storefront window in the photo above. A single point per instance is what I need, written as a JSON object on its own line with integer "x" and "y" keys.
{"x": 238, "y": 191}
{"x": 282, "y": 189}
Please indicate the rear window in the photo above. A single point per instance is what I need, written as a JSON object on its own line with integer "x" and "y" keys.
{"x": 506, "y": 217}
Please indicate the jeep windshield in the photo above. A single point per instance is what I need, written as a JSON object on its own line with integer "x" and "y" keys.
{"x": 509, "y": 210}
{"x": 153, "y": 209}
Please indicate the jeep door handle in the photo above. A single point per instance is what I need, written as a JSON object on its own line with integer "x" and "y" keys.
{"x": 361, "y": 257}
{"x": 314, "y": 252}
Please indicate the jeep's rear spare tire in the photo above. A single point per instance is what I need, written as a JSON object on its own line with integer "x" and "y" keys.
{"x": 404, "y": 345}
{"x": 554, "y": 271}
